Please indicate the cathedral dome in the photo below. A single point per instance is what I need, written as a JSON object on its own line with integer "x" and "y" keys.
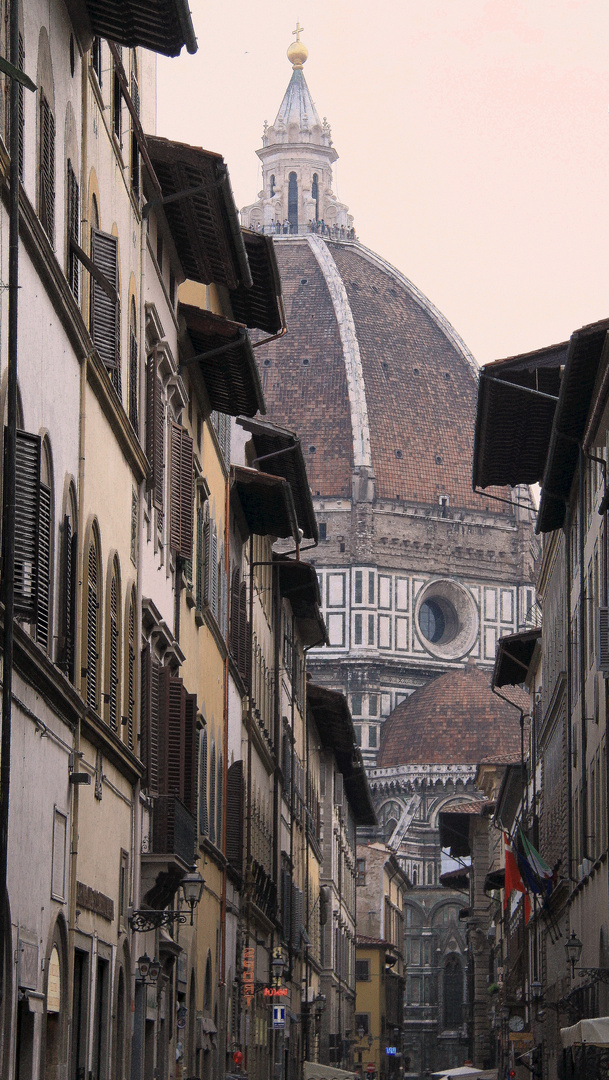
{"x": 379, "y": 382}
{"x": 455, "y": 718}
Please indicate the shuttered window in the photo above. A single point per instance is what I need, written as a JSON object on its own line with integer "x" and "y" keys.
{"x": 155, "y": 431}
{"x": 181, "y": 491}
{"x": 131, "y": 675}
{"x": 191, "y": 753}
{"x": 211, "y": 566}
{"x": 27, "y": 495}
{"x": 113, "y": 646}
{"x": 117, "y": 100}
{"x": 67, "y": 614}
{"x": 219, "y": 799}
{"x": 43, "y": 575}
{"x": 73, "y": 226}
{"x": 203, "y": 807}
{"x": 133, "y": 368}
{"x": 105, "y": 324}
{"x": 200, "y": 561}
{"x": 92, "y": 627}
{"x": 135, "y": 151}
{"x": 239, "y": 642}
{"x": 212, "y": 794}
{"x": 234, "y": 816}
{"x": 150, "y": 670}
{"x": 46, "y": 166}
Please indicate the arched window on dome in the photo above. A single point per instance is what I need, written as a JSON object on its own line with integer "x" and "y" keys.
{"x": 315, "y": 194}
{"x": 453, "y": 993}
{"x": 293, "y": 202}
{"x": 272, "y": 185}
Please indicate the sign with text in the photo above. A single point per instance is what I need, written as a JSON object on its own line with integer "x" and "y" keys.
{"x": 278, "y": 1016}
{"x": 249, "y": 961}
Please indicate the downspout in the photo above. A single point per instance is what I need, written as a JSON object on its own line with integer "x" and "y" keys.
{"x": 582, "y": 661}
{"x": 567, "y": 637}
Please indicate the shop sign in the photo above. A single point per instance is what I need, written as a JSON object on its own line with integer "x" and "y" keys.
{"x": 54, "y": 983}
{"x": 522, "y": 1039}
{"x": 249, "y": 960}
{"x": 275, "y": 991}
{"x": 278, "y": 1016}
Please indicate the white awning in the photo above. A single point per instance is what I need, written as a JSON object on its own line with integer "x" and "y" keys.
{"x": 593, "y": 1032}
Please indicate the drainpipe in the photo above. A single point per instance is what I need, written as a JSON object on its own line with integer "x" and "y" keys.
{"x": 582, "y": 660}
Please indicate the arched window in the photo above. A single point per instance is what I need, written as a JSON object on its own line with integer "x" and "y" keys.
{"x": 272, "y": 185}
{"x": 128, "y": 727}
{"x": 44, "y": 567}
{"x": 212, "y": 794}
{"x": 92, "y": 624}
{"x": 203, "y": 808}
{"x": 453, "y": 993}
{"x": 67, "y": 588}
{"x": 133, "y": 366}
{"x": 113, "y": 664}
{"x": 293, "y": 202}
{"x": 315, "y": 194}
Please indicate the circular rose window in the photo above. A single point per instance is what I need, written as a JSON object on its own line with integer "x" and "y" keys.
{"x": 446, "y": 619}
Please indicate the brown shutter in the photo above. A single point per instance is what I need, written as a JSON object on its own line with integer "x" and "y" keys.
{"x": 105, "y": 325}
{"x": 66, "y": 625}
{"x": 21, "y": 108}
{"x": 47, "y": 168}
{"x": 190, "y": 753}
{"x": 113, "y": 688}
{"x": 92, "y": 628}
{"x": 131, "y": 677}
{"x": 245, "y": 657}
{"x": 234, "y": 816}
{"x": 181, "y": 465}
{"x": 203, "y": 794}
{"x": 27, "y": 494}
{"x": 155, "y": 431}
{"x": 133, "y": 374}
{"x": 73, "y": 229}
{"x": 43, "y": 568}
{"x": 234, "y": 615}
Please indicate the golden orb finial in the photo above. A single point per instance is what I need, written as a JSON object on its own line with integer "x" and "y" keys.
{"x": 297, "y": 52}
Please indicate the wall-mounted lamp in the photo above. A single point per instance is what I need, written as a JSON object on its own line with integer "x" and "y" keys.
{"x": 148, "y": 970}
{"x": 192, "y": 890}
{"x": 573, "y": 949}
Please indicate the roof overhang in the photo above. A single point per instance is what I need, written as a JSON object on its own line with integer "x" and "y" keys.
{"x": 516, "y": 402}
{"x": 201, "y": 213}
{"x": 266, "y": 502}
{"x": 586, "y": 349}
{"x": 164, "y": 26}
{"x": 454, "y": 833}
{"x": 299, "y": 584}
{"x": 513, "y": 657}
{"x": 335, "y": 728}
{"x": 260, "y": 307}
{"x": 509, "y": 796}
{"x": 225, "y": 361}
{"x": 456, "y": 879}
{"x": 280, "y": 452}
{"x": 494, "y": 880}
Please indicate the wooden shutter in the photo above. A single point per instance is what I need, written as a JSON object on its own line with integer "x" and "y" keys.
{"x": 191, "y": 757}
{"x": 234, "y": 816}
{"x": 199, "y": 559}
{"x": 68, "y": 594}
{"x": 214, "y": 570}
{"x": 245, "y": 658}
{"x": 219, "y": 800}
{"x": 92, "y": 628}
{"x": 73, "y": 201}
{"x": 113, "y": 688}
{"x": 212, "y": 794}
{"x": 234, "y": 616}
{"x": 105, "y": 325}
{"x": 27, "y": 496}
{"x": 155, "y": 431}
{"x": 135, "y": 151}
{"x": 171, "y": 734}
{"x": 150, "y": 674}
{"x": 207, "y": 592}
{"x": 43, "y": 568}
{"x": 47, "y": 168}
{"x": 181, "y": 463}
{"x": 21, "y": 94}
{"x": 131, "y": 677}
{"x": 133, "y": 373}
{"x": 203, "y": 793}
{"x": 296, "y": 918}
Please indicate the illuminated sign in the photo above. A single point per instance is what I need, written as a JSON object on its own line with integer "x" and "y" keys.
{"x": 391, "y": 1050}
{"x": 249, "y": 960}
{"x": 275, "y": 991}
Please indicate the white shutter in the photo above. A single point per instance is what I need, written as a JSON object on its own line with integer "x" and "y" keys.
{"x": 602, "y": 640}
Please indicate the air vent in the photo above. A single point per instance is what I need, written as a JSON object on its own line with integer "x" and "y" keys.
{"x": 602, "y": 640}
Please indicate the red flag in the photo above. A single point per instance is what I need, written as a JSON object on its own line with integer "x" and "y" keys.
{"x": 513, "y": 880}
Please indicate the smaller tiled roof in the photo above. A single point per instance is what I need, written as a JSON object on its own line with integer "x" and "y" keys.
{"x": 266, "y": 502}
{"x": 201, "y": 212}
{"x": 474, "y": 807}
{"x": 513, "y": 657}
{"x": 163, "y": 26}
{"x": 224, "y": 359}
{"x": 364, "y": 939}
{"x": 336, "y": 732}
{"x": 261, "y": 307}
{"x": 279, "y": 452}
{"x": 298, "y": 583}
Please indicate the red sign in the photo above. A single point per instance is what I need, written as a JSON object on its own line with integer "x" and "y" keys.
{"x": 275, "y": 991}
{"x": 237, "y": 1057}
{"x": 249, "y": 956}
{"x": 371, "y": 1067}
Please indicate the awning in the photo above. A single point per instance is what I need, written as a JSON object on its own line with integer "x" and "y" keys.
{"x": 225, "y": 361}
{"x": 266, "y": 501}
{"x": 335, "y": 728}
{"x": 456, "y": 879}
{"x": 299, "y": 584}
{"x": 287, "y": 461}
{"x": 593, "y": 1032}
{"x": 576, "y": 391}
{"x": 494, "y": 880}
{"x": 201, "y": 213}
{"x": 513, "y": 657}
{"x": 164, "y": 26}
{"x": 260, "y": 307}
{"x": 513, "y": 426}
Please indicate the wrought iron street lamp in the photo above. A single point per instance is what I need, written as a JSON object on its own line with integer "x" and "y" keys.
{"x": 148, "y": 919}
{"x": 573, "y": 949}
{"x": 148, "y": 970}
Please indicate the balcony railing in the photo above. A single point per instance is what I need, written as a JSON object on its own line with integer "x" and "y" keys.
{"x": 331, "y": 232}
{"x": 173, "y": 829}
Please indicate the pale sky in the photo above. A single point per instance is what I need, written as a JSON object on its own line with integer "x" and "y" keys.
{"x": 473, "y": 142}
